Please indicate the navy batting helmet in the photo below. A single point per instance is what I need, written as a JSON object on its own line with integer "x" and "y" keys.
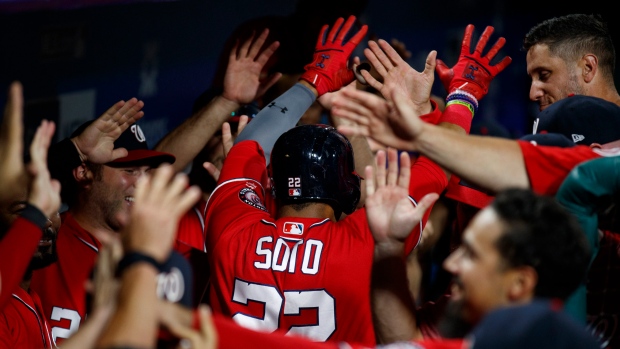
{"x": 315, "y": 163}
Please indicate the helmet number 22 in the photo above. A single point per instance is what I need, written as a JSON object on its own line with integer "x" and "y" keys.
{"x": 294, "y": 182}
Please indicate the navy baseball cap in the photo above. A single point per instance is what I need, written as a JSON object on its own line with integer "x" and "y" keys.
{"x": 549, "y": 139}
{"x": 134, "y": 140}
{"x": 583, "y": 119}
{"x": 539, "y": 324}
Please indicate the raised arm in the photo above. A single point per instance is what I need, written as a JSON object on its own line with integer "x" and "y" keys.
{"x": 20, "y": 241}
{"x": 391, "y": 218}
{"x": 328, "y": 72}
{"x": 242, "y": 85}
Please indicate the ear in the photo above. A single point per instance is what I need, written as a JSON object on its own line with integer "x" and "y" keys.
{"x": 596, "y": 146}
{"x": 589, "y": 67}
{"x": 83, "y": 175}
{"x": 523, "y": 281}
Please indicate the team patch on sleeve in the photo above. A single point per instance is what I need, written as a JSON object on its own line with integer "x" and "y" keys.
{"x": 249, "y": 196}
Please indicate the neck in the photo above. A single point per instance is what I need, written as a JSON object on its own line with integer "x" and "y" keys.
{"x": 313, "y": 210}
{"x": 96, "y": 227}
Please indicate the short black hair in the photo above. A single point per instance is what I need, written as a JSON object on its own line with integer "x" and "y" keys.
{"x": 571, "y": 36}
{"x": 540, "y": 233}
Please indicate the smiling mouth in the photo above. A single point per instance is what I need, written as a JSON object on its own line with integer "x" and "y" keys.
{"x": 129, "y": 199}
{"x": 45, "y": 242}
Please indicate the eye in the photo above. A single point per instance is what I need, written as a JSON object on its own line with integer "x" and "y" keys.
{"x": 131, "y": 171}
{"x": 544, "y": 75}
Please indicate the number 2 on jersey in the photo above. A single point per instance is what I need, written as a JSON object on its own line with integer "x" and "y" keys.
{"x": 293, "y": 301}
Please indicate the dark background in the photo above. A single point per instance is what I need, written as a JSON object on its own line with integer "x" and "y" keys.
{"x": 76, "y": 58}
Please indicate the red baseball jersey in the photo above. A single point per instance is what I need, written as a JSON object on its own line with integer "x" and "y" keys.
{"x": 190, "y": 242}
{"x": 61, "y": 285}
{"x": 548, "y": 166}
{"x": 16, "y": 250}
{"x": 304, "y": 276}
{"x": 22, "y": 324}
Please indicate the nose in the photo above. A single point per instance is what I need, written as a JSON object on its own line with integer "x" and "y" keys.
{"x": 450, "y": 264}
{"x": 536, "y": 91}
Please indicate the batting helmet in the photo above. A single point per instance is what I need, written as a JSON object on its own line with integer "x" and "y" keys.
{"x": 315, "y": 163}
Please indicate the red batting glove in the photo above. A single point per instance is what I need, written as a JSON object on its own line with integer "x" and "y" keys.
{"x": 329, "y": 70}
{"x": 473, "y": 73}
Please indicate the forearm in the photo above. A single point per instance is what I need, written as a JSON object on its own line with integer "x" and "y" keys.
{"x": 187, "y": 139}
{"x": 489, "y": 162}
{"x": 135, "y": 322}
{"x": 363, "y": 157}
{"x": 393, "y": 305}
{"x": 279, "y": 116}
{"x": 89, "y": 332}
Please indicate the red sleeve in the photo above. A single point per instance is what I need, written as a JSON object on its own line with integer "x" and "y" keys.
{"x": 16, "y": 250}
{"x": 238, "y": 165}
{"x": 239, "y": 198}
{"x": 548, "y": 166}
{"x": 434, "y": 116}
{"x": 426, "y": 177}
{"x": 458, "y": 115}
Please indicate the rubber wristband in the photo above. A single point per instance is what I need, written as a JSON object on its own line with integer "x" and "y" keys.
{"x": 133, "y": 258}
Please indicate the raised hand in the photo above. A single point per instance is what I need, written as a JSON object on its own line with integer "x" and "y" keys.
{"x": 13, "y": 179}
{"x": 44, "y": 192}
{"x": 203, "y": 337}
{"x": 96, "y": 142}
{"x": 160, "y": 199}
{"x": 391, "y": 215}
{"x": 329, "y": 70}
{"x": 374, "y": 117}
{"x": 473, "y": 72}
{"x": 227, "y": 142}
{"x": 243, "y": 82}
{"x": 399, "y": 75}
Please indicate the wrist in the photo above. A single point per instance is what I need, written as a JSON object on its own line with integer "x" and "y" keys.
{"x": 132, "y": 258}
{"x": 309, "y": 86}
{"x": 389, "y": 248}
{"x": 227, "y": 102}
{"x": 82, "y": 155}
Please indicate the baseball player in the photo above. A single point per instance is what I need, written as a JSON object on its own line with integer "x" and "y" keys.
{"x": 34, "y": 223}
{"x": 103, "y": 187}
{"x": 307, "y": 271}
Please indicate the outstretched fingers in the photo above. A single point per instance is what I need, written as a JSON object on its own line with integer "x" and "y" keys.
{"x": 484, "y": 38}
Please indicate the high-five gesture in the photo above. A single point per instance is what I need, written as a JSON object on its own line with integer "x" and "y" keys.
{"x": 44, "y": 192}
{"x": 161, "y": 198}
{"x": 243, "y": 82}
{"x": 391, "y": 215}
{"x": 329, "y": 70}
{"x": 96, "y": 142}
{"x": 473, "y": 72}
{"x": 12, "y": 178}
{"x": 399, "y": 75}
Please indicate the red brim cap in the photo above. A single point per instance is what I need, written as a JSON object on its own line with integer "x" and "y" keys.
{"x": 144, "y": 157}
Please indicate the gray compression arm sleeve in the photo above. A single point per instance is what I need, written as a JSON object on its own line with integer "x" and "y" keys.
{"x": 278, "y": 117}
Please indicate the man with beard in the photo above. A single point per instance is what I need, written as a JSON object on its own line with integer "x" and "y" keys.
{"x": 98, "y": 167}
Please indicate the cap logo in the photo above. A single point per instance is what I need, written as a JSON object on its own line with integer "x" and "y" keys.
{"x": 577, "y": 138}
{"x": 293, "y": 228}
{"x": 294, "y": 186}
{"x": 137, "y": 131}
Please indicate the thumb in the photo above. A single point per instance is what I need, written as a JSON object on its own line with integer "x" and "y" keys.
{"x": 119, "y": 153}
